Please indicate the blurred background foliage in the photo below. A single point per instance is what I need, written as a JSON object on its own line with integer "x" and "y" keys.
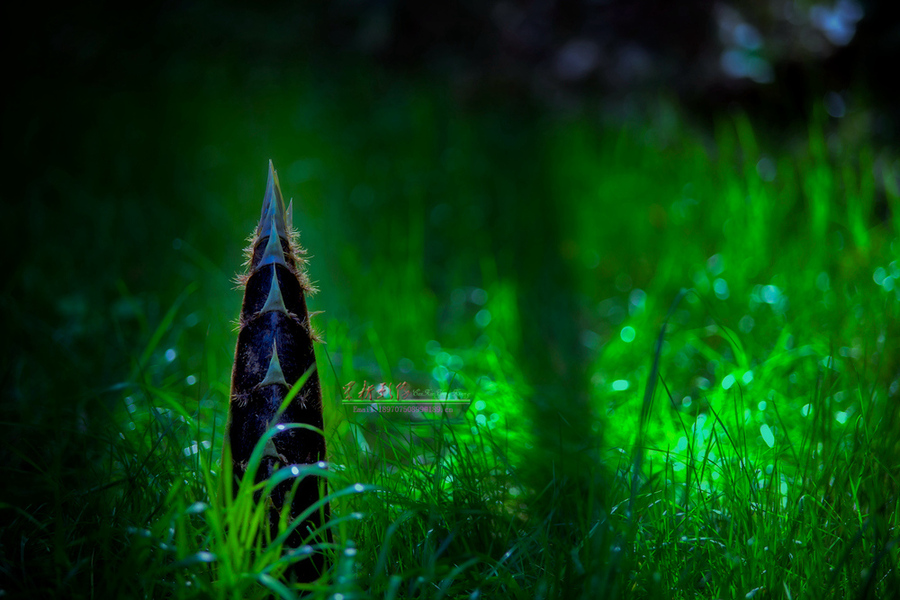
{"x": 512, "y": 175}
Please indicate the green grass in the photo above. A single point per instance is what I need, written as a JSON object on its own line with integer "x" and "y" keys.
{"x": 749, "y": 452}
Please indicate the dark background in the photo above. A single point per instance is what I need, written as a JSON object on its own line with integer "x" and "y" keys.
{"x": 558, "y": 53}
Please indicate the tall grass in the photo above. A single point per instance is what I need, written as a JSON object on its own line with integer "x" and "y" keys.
{"x": 749, "y": 451}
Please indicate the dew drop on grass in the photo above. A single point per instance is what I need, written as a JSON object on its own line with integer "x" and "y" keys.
{"x": 879, "y": 275}
{"x": 746, "y": 324}
{"x": 295, "y": 471}
{"x": 171, "y": 354}
{"x": 728, "y": 382}
{"x": 841, "y": 417}
{"x": 806, "y": 409}
{"x": 715, "y": 264}
{"x": 483, "y": 317}
{"x": 620, "y": 385}
{"x": 637, "y": 299}
{"x": 199, "y": 557}
{"x": 762, "y": 405}
{"x": 627, "y": 334}
{"x": 358, "y": 487}
{"x": 771, "y": 294}
{"x": 190, "y": 380}
{"x": 720, "y": 287}
{"x": 196, "y": 508}
{"x": 766, "y": 169}
{"x": 700, "y": 422}
{"x": 767, "y": 435}
{"x": 752, "y": 593}
{"x": 748, "y": 377}
{"x": 440, "y": 373}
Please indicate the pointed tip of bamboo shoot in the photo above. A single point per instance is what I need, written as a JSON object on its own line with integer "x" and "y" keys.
{"x": 274, "y": 301}
{"x": 274, "y": 374}
{"x": 273, "y": 204}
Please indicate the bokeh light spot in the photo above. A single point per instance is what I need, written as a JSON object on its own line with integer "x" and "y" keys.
{"x": 767, "y": 435}
{"x": 728, "y": 382}
{"x": 720, "y": 287}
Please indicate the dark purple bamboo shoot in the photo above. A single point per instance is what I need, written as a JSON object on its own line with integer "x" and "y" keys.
{"x": 274, "y": 350}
